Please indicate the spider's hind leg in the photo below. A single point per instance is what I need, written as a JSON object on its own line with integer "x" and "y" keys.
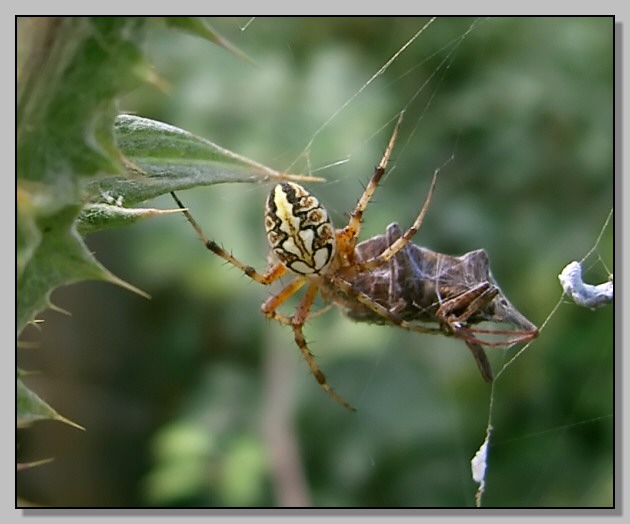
{"x": 297, "y": 322}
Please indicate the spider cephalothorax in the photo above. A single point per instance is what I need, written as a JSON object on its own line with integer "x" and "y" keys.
{"x": 385, "y": 279}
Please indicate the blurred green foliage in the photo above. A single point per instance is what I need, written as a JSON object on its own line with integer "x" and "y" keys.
{"x": 194, "y": 399}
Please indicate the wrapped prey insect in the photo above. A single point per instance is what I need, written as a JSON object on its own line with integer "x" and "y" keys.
{"x": 431, "y": 292}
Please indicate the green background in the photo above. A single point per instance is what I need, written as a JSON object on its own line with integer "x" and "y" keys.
{"x": 193, "y": 398}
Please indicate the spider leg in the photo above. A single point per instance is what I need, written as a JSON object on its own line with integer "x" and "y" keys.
{"x": 274, "y": 273}
{"x": 388, "y": 315}
{"x": 348, "y": 235}
{"x": 399, "y": 244}
{"x": 269, "y": 307}
{"x": 297, "y": 323}
{"x": 287, "y": 321}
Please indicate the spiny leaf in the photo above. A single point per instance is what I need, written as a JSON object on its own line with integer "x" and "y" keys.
{"x": 26, "y": 465}
{"x": 66, "y": 95}
{"x": 30, "y": 408}
{"x": 72, "y": 70}
{"x": 161, "y": 158}
{"x": 60, "y": 258}
{"x": 196, "y": 26}
{"x": 95, "y": 217}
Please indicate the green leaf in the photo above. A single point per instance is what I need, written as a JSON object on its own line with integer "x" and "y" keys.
{"x": 71, "y": 71}
{"x": 79, "y": 166}
{"x": 76, "y": 158}
{"x": 196, "y": 26}
{"x": 161, "y": 158}
{"x": 95, "y": 217}
{"x": 67, "y": 87}
{"x": 60, "y": 258}
{"x": 30, "y": 408}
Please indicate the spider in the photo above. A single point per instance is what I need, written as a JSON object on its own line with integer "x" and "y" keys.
{"x": 330, "y": 262}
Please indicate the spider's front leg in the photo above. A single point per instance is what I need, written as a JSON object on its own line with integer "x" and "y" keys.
{"x": 297, "y": 321}
{"x": 348, "y": 235}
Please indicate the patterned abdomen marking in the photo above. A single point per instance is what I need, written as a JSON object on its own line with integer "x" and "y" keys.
{"x": 298, "y": 229}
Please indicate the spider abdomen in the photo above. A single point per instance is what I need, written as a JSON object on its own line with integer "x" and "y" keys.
{"x": 299, "y": 230}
